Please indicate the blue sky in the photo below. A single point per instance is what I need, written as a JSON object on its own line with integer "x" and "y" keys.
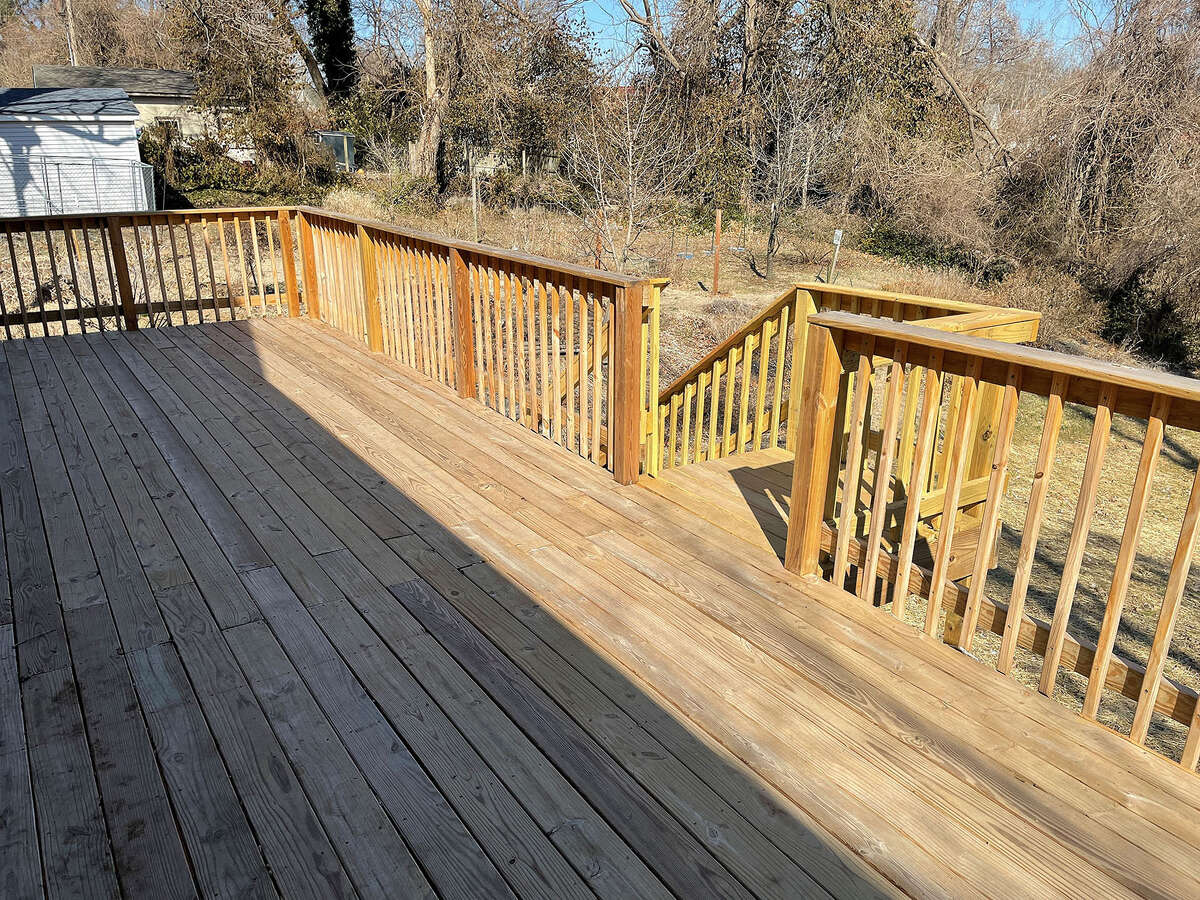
{"x": 606, "y": 18}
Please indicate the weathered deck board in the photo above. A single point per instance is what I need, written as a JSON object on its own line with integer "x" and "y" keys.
{"x": 331, "y": 630}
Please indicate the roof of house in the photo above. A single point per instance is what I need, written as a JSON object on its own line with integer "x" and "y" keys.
{"x": 86, "y": 103}
{"x": 137, "y": 82}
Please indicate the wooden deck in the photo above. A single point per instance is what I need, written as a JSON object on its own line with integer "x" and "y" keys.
{"x": 277, "y": 618}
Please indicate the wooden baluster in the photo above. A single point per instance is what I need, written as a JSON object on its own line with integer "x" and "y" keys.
{"x": 990, "y": 525}
{"x": 225, "y": 262}
{"x": 571, "y": 440}
{"x": 689, "y": 394}
{"x": 598, "y": 373}
{"x": 743, "y": 432}
{"x": 922, "y": 460}
{"x": 158, "y": 266}
{"x": 1126, "y": 555}
{"x": 581, "y": 290}
{"x": 37, "y": 280}
{"x": 854, "y": 459}
{"x": 72, "y": 249}
{"x": 673, "y": 436}
{"x": 259, "y": 270}
{"x": 760, "y": 394}
{"x": 141, "y": 258}
{"x": 175, "y": 261}
{"x": 716, "y": 446}
{"x": 274, "y": 264}
{"x": 1101, "y": 427}
{"x": 959, "y": 450}
{"x": 16, "y": 275}
{"x": 445, "y": 302}
{"x": 489, "y": 350}
{"x": 701, "y": 444}
{"x": 50, "y": 252}
{"x": 479, "y": 311}
{"x": 1033, "y": 522}
{"x": 187, "y": 230}
{"x": 519, "y": 349}
{"x": 106, "y": 253}
{"x": 91, "y": 266}
{"x": 543, "y": 348}
{"x": 1191, "y": 748}
{"x": 1181, "y": 566}
{"x": 777, "y": 397}
{"x": 883, "y": 471}
{"x": 728, "y": 436}
{"x": 556, "y": 357}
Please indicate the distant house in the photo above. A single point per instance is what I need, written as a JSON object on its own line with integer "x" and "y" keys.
{"x": 70, "y": 151}
{"x": 160, "y": 95}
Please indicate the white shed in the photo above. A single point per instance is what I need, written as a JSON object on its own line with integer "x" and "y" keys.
{"x": 70, "y": 151}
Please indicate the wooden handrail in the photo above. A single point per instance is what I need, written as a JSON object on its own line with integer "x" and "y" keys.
{"x": 476, "y": 249}
{"x": 1087, "y": 376}
{"x": 816, "y": 545}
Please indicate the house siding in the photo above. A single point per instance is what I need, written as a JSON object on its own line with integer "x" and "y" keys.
{"x": 49, "y": 167}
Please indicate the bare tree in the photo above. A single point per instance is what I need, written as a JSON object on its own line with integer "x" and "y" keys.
{"x": 628, "y": 159}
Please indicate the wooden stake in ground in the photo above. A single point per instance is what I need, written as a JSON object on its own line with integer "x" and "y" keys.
{"x": 717, "y": 255}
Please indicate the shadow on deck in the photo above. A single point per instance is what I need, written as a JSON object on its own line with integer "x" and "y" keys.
{"x": 279, "y": 617}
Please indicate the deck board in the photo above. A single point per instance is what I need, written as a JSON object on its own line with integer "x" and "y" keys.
{"x": 336, "y": 632}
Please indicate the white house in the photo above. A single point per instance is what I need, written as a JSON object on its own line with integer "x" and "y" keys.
{"x": 70, "y": 151}
{"x": 160, "y": 95}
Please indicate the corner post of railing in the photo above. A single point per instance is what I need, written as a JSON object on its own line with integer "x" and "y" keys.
{"x": 464, "y": 336}
{"x": 805, "y": 306}
{"x": 112, "y": 225}
{"x": 626, "y": 414}
{"x": 289, "y": 262}
{"x": 308, "y": 265}
{"x": 817, "y": 413}
{"x": 370, "y": 281}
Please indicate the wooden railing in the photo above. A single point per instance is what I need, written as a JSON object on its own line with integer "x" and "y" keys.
{"x": 569, "y": 352}
{"x": 739, "y": 398}
{"x": 71, "y": 274}
{"x": 561, "y": 349}
{"x": 862, "y": 525}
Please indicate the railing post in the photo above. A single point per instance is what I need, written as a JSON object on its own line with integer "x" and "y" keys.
{"x": 464, "y": 336}
{"x": 289, "y": 262}
{"x": 817, "y": 410}
{"x": 626, "y": 415}
{"x": 308, "y": 266}
{"x": 805, "y": 307}
{"x": 370, "y": 276}
{"x": 113, "y": 224}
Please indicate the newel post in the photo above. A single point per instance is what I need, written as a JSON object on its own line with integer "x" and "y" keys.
{"x": 626, "y": 414}
{"x": 817, "y": 411}
{"x": 308, "y": 266}
{"x": 113, "y": 224}
{"x": 370, "y": 277}
{"x": 289, "y": 262}
{"x": 464, "y": 336}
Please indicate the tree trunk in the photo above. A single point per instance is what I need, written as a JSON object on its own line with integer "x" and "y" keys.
{"x": 772, "y": 240}
{"x": 423, "y": 160}
{"x": 808, "y": 155}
